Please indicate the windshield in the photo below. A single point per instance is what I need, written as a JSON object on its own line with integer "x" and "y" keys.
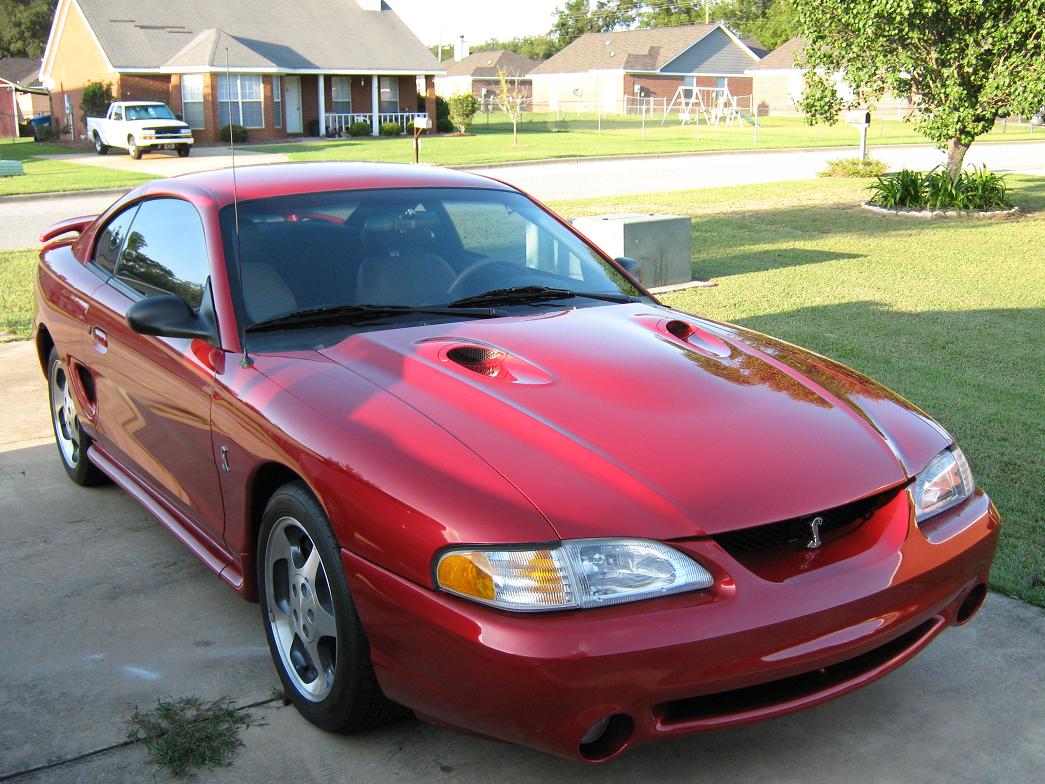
{"x": 153, "y": 112}
{"x": 416, "y": 249}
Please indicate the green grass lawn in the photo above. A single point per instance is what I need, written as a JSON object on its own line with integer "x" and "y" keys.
{"x": 47, "y": 176}
{"x": 544, "y": 138}
{"x": 16, "y": 292}
{"x": 949, "y": 314}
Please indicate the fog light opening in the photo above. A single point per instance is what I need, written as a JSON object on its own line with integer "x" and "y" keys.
{"x": 971, "y": 605}
{"x": 607, "y": 737}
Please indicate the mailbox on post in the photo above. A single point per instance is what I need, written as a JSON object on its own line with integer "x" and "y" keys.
{"x": 860, "y": 118}
{"x": 421, "y": 124}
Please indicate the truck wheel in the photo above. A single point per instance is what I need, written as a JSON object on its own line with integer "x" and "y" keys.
{"x": 184, "y": 150}
{"x": 100, "y": 148}
{"x": 134, "y": 149}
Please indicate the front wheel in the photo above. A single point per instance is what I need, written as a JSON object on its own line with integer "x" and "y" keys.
{"x": 133, "y": 148}
{"x": 99, "y": 147}
{"x": 69, "y": 435}
{"x": 184, "y": 150}
{"x": 314, "y": 634}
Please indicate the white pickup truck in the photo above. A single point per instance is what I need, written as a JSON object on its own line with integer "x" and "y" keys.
{"x": 138, "y": 127}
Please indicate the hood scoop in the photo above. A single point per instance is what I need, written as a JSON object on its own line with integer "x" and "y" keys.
{"x": 483, "y": 360}
{"x": 697, "y": 337}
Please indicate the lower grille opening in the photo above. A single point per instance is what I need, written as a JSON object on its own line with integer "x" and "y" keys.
{"x": 763, "y": 695}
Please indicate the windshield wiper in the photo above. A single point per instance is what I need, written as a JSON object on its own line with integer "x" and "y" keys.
{"x": 535, "y": 294}
{"x": 358, "y": 314}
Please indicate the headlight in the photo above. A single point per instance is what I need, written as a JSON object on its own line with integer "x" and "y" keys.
{"x": 946, "y": 481}
{"x": 575, "y": 574}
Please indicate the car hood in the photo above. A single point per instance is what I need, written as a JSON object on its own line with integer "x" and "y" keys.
{"x": 636, "y": 420}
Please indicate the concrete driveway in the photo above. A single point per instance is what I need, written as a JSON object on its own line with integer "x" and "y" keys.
{"x": 168, "y": 164}
{"x": 103, "y": 611}
{"x": 23, "y": 219}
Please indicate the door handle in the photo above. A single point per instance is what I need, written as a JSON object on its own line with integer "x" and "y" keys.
{"x": 101, "y": 340}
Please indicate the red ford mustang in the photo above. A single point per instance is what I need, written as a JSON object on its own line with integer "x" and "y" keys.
{"x": 468, "y": 465}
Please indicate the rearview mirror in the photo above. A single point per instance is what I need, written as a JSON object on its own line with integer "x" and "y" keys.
{"x": 168, "y": 316}
{"x": 630, "y": 266}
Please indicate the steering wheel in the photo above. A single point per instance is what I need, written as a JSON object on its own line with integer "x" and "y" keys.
{"x": 470, "y": 272}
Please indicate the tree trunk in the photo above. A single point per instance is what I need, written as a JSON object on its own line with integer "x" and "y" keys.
{"x": 955, "y": 155}
{"x": 515, "y": 133}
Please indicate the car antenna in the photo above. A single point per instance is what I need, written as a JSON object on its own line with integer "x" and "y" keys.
{"x": 245, "y": 361}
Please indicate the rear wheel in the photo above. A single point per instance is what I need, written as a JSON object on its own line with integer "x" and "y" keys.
{"x": 184, "y": 150}
{"x": 314, "y": 634}
{"x": 100, "y": 148}
{"x": 133, "y": 148}
{"x": 69, "y": 435}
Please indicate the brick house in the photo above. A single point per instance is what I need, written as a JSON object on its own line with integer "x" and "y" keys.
{"x": 609, "y": 72}
{"x": 22, "y": 97}
{"x": 478, "y": 73}
{"x": 292, "y": 68}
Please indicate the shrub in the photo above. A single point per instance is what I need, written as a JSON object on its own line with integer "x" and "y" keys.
{"x": 462, "y": 110}
{"x": 444, "y": 125}
{"x": 45, "y": 133}
{"x": 938, "y": 190}
{"x": 853, "y": 167}
{"x": 359, "y": 128}
{"x": 95, "y": 100}
{"x": 391, "y": 129}
{"x": 313, "y": 127}
{"x": 235, "y": 133}
{"x": 442, "y": 108}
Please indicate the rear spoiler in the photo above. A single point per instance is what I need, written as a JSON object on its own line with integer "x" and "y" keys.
{"x": 70, "y": 225}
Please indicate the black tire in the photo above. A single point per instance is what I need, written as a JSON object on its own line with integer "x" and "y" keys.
{"x": 184, "y": 150}
{"x": 354, "y": 700}
{"x": 100, "y": 148}
{"x": 69, "y": 436}
{"x": 133, "y": 149}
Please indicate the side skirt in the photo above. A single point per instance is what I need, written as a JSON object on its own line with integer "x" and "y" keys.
{"x": 218, "y": 559}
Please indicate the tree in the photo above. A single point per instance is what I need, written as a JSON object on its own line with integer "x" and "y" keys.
{"x": 462, "y": 109}
{"x": 511, "y": 99}
{"x": 965, "y": 63}
{"x": 24, "y": 25}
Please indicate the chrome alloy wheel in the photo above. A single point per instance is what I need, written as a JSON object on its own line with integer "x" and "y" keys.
{"x": 63, "y": 416}
{"x": 301, "y": 609}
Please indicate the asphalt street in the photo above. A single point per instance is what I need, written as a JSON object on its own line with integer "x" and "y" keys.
{"x": 104, "y": 611}
{"x": 22, "y": 220}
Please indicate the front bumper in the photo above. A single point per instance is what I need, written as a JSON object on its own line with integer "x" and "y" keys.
{"x": 757, "y": 644}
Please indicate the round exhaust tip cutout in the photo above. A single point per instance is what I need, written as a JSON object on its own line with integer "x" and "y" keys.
{"x": 971, "y": 605}
{"x": 608, "y": 736}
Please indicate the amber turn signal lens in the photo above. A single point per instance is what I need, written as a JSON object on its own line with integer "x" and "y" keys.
{"x": 468, "y": 574}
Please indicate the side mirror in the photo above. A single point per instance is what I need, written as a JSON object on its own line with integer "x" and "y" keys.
{"x": 630, "y": 266}
{"x": 168, "y": 316}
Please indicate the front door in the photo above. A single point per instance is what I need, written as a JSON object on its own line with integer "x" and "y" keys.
{"x": 293, "y": 104}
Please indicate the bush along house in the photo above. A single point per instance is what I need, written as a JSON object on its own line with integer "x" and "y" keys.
{"x": 277, "y": 69}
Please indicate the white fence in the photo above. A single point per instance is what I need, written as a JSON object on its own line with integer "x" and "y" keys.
{"x": 338, "y": 124}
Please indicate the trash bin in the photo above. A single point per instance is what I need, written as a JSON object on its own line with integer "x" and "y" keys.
{"x": 662, "y": 244}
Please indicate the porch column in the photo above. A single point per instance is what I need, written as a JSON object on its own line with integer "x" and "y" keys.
{"x": 320, "y": 81}
{"x": 375, "y": 102}
{"x": 430, "y": 102}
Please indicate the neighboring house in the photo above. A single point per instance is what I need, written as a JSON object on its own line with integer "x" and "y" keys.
{"x": 293, "y": 67}
{"x": 478, "y": 74}
{"x": 778, "y": 83}
{"x": 609, "y": 71}
{"x": 22, "y": 96}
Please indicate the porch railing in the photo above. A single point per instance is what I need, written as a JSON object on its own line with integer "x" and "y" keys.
{"x": 338, "y": 124}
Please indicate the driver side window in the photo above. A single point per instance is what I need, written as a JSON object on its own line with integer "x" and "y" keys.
{"x": 490, "y": 230}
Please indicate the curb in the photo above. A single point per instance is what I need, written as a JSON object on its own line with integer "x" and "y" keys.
{"x": 47, "y": 195}
{"x": 702, "y": 153}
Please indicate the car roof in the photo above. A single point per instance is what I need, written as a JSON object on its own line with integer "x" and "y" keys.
{"x": 284, "y": 179}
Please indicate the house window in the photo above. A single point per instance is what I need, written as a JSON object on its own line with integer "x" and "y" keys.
{"x": 389, "y": 87}
{"x": 277, "y": 100}
{"x": 341, "y": 94}
{"x": 240, "y": 98}
{"x": 192, "y": 100}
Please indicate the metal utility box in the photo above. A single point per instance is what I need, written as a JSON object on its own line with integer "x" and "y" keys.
{"x": 661, "y": 244}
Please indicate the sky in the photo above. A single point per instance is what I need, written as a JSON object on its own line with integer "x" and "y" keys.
{"x": 476, "y": 20}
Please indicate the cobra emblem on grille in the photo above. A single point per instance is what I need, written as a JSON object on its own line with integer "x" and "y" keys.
{"x": 814, "y": 531}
